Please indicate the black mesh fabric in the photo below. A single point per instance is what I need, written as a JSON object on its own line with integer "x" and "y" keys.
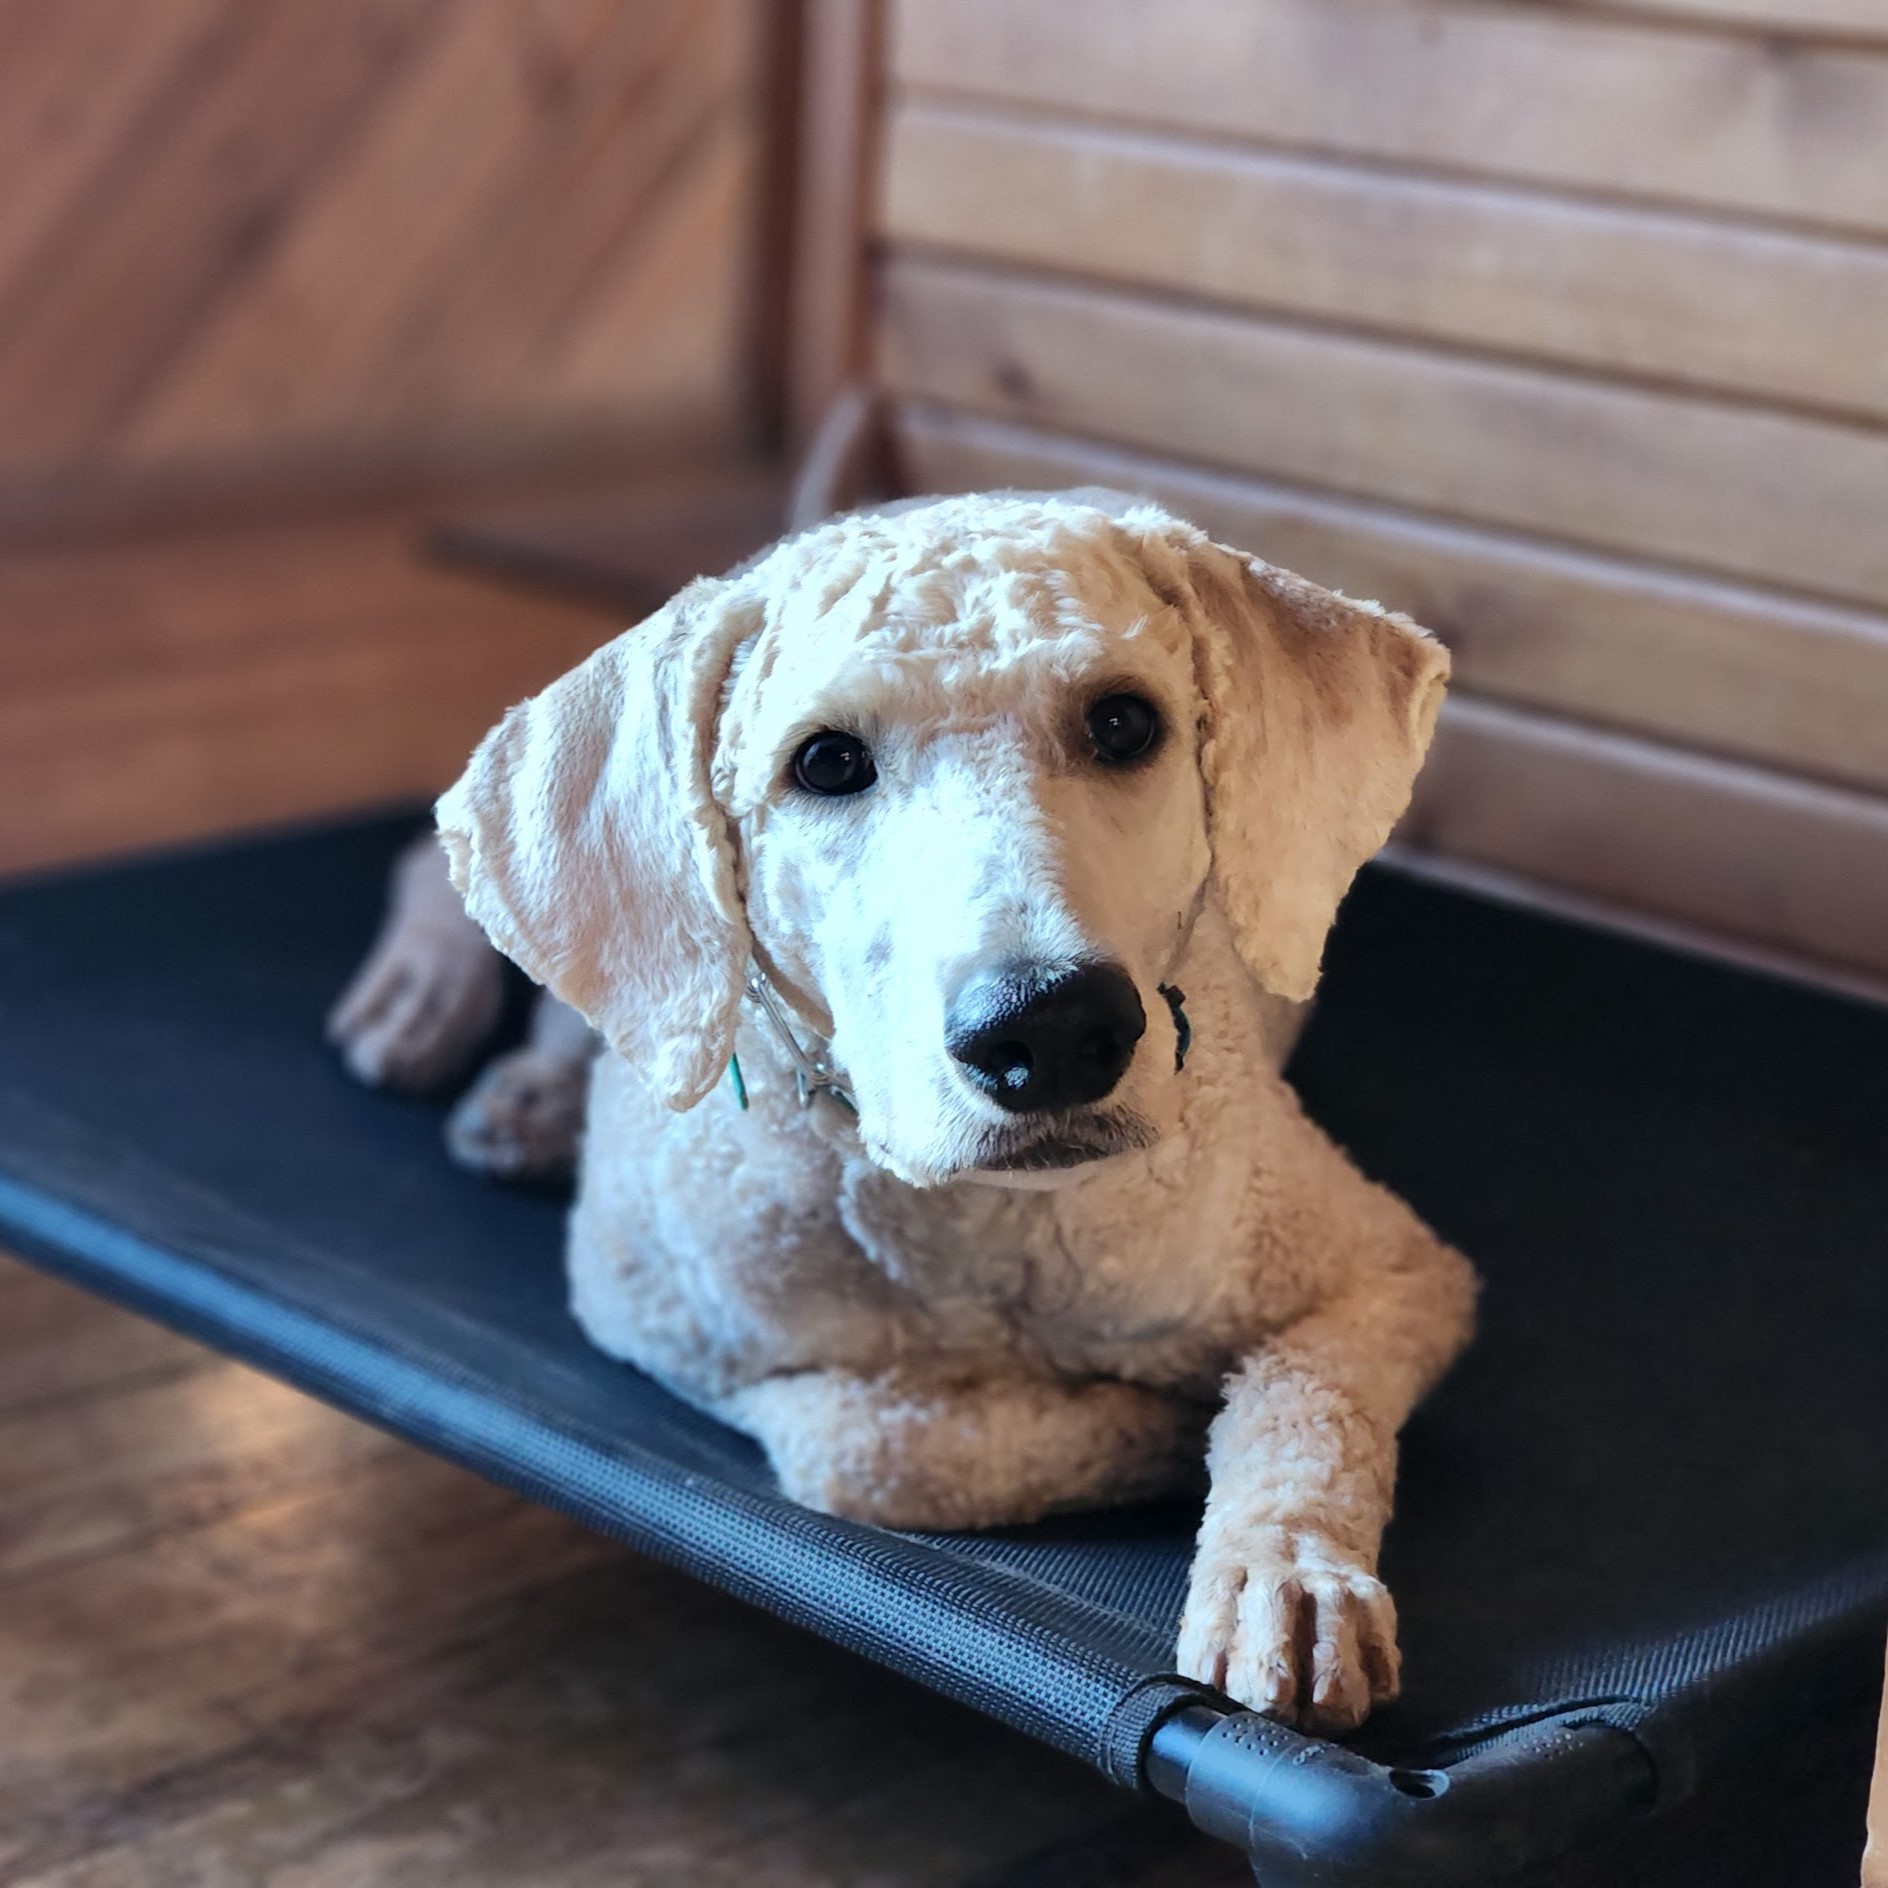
{"x": 1656, "y": 1491}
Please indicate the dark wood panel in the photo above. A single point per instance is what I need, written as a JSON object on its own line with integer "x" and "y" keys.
{"x": 1584, "y": 99}
{"x": 1686, "y": 299}
{"x": 1752, "y": 673}
{"x": 1760, "y": 495}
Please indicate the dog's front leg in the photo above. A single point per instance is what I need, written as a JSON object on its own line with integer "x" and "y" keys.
{"x": 1284, "y": 1608}
{"x": 429, "y": 993}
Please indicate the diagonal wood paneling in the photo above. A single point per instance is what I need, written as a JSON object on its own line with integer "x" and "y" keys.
{"x": 237, "y": 226}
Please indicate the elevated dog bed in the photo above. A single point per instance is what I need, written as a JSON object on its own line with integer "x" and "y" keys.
{"x": 1642, "y": 1534}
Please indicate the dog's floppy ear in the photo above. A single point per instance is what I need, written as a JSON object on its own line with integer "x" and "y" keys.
{"x": 585, "y": 838}
{"x": 1317, "y": 713}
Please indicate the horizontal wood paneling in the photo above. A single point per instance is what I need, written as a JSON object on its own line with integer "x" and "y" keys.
{"x": 1688, "y": 299}
{"x": 1733, "y": 121}
{"x": 1751, "y": 673}
{"x": 242, "y": 227}
{"x": 1798, "y": 868}
{"x": 1559, "y": 324}
{"x": 1784, "y": 863}
{"x": 1756, "y": 494}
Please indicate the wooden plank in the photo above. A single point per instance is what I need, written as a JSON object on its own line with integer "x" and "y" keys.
{"x": 1751, "y": 673}
{"x": 252, "y": 231}
{"x": 116, "y": 497}
{"x": 1859, "y": 19}
{"x": 573, "y": 251}
{"x": 173, "y": 217}
{"x": 1757, "y": 494}
{"x": 778, "y": 89}
{"x": 1735, "y": 121}
{"x": 626, "y": 549}
{"x": 60, "y": 1351}
{"x": 296, "y": 1605}
{"x": 843, "y": 52}
{"x": 1502, "y": 886}
{"x": 125, "y": 1466}
{"x": 78, "y": 81}
{"x": 1783, "y": 863}
{"x": 1682, "y": 298}
{"x": 178, "y": 687}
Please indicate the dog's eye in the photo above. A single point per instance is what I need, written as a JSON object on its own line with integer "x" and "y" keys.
{"x": 1123, "y": 728}
{"x": 832, "y": 763}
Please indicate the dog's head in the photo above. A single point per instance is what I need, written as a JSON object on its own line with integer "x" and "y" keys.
{"x": 957, "y": 779}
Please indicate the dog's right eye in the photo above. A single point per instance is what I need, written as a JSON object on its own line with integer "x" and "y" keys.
{"x": 830, "y": 764}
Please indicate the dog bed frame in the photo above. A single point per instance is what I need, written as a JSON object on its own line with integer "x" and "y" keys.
{"x": 1640, "y": 1541}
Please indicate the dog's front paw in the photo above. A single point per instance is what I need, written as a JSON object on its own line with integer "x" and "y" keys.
{"x": 523, "y": 1118}
{"x": 1291, "y": 1624}
{"x": 418, "y": 1008}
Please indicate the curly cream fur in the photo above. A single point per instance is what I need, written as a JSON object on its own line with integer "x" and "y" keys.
{"x": 918, "y": 1338}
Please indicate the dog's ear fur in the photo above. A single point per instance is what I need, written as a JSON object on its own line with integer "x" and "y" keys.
{"x": 585, "y": 838}
{"x": 1317, "y": 712}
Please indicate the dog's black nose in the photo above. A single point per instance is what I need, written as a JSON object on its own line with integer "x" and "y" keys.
{"x": 1039, "y": 1036}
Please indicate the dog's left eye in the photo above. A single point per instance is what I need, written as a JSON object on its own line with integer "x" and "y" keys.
{"x": 1123, "y": 727}
{"x": 830, "y": 764}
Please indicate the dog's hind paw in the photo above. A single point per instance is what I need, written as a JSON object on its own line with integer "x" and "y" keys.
{"x": 1290, "y": 1624}
{"x": 523, "y": 1118}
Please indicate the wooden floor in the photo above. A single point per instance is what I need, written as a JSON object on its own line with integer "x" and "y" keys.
{"x": 244, "y": 1639}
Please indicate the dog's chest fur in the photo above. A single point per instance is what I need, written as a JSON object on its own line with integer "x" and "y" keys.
{"x": 1043, "y": 1276}
{"x": 720, "y": 1247}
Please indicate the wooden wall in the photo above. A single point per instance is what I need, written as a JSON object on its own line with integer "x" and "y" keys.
{"x": 294, "y": 279}
{"x": 1564, "y": 327}
{"x": 251, "y": 234}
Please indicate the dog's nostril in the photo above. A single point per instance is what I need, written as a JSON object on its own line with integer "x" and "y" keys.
{"x": 1015, "y": 1062}
{"x": 1036, "y": 1036}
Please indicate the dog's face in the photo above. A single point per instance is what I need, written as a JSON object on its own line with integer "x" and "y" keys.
{"x": 957, "y": 780}
{"x": 973, "y": 840}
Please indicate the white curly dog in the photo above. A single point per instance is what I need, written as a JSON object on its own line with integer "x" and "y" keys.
{"x": 944, "y": 885}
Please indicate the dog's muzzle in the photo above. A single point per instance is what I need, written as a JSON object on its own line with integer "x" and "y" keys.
{"x": 1075, "y": 1141}
{"x": 1038, "y": 1038}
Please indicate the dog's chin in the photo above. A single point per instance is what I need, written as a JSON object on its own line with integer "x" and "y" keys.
{"x": 1063, "y": 1154}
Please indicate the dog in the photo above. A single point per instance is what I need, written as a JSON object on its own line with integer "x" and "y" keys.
{"x": 946, "y": 886}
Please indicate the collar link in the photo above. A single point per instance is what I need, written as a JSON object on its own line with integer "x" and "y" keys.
{"x": 813, "y": 1071}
